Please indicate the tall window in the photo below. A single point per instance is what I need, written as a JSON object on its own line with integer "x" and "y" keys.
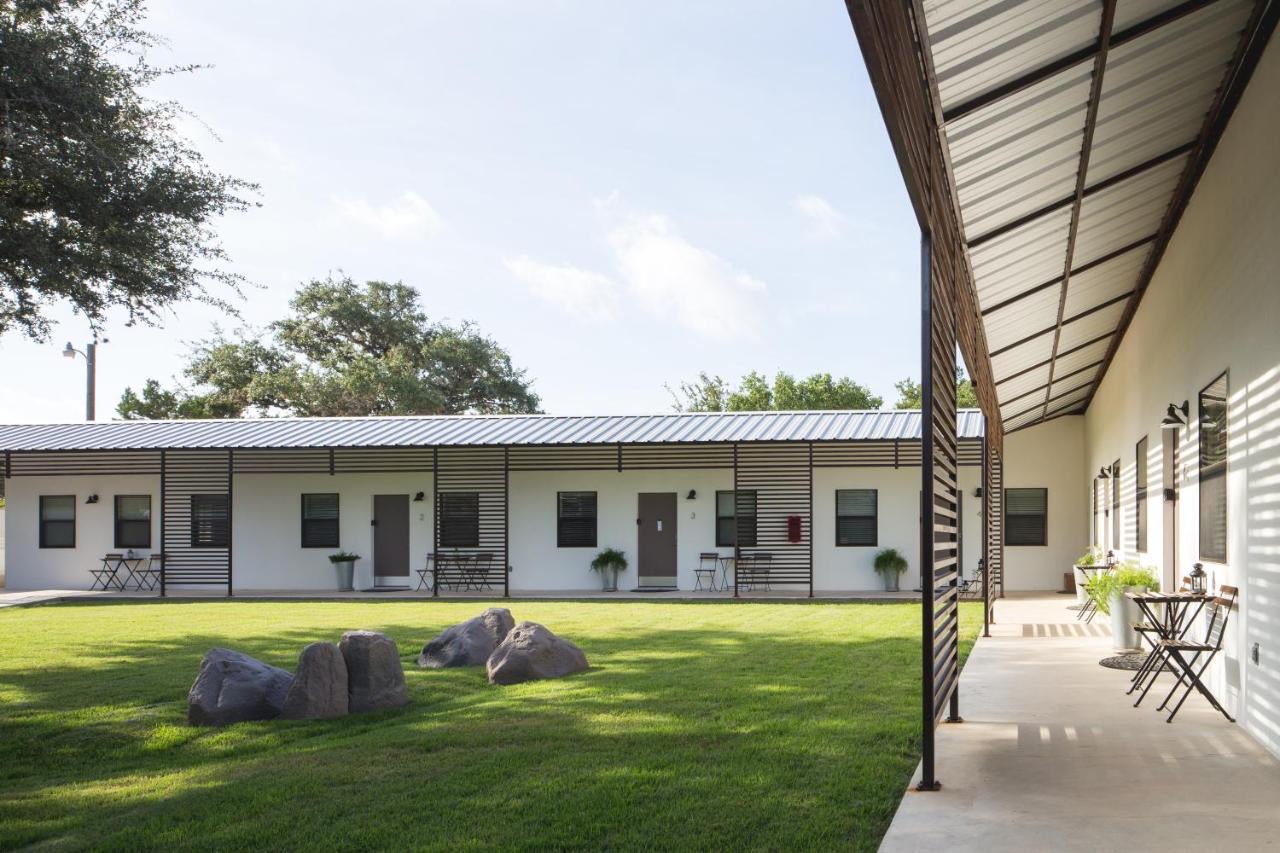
{"x": 459, "y": 519}
{"x": 745, "y": 505}
{"x": 1115, "y": 506}
{"x": 1140, "y": 495}
{"x": 856, "y": 522}
{"x": 210, "y": 521}
{"x": 576, "y": 520}
{"x": 1098, "y": 527}
{"x": 1026, "y": 516}
{"x": 57, "y": 521}
{"x": 133, "y": 521}
{"x": 1213, "y": 471}
{"x": 320, "y": 521}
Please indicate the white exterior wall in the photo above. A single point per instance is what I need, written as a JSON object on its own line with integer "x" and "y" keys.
{"x": 28, "y": 566}
{"x": 1212, "y": 306}
{"x": 1050, "y": 456}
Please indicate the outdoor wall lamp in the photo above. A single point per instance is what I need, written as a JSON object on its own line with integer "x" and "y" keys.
{"x": 693, "y": 495}
{"x": 1176, "y": 417}
{"x": 1104, "y": 473}
{"x": 92, "y": 499}
{"x": 419, "y": 497}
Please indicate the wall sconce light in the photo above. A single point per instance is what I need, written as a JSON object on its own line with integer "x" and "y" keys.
{"x": 1176, "y": 417}
{"x": 1104, "y": 473}
{"x": 977, "y": 493}
{"x": 693, "y": 495}
{"x": 92, "y": 499}
{"x": 419, "y": 497}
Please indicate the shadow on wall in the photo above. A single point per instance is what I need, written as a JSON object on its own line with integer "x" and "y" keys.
{"x": 1254, "y": 435}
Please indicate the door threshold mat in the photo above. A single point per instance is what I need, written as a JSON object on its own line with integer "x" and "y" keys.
{"x": 656, "y": 589}
{"x": 404, "y": 588}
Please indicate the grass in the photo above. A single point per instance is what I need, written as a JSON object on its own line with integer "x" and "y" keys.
{"x": 699, "y": 725}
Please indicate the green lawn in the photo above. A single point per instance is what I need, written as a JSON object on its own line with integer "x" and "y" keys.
{"x": 700, "y": 725}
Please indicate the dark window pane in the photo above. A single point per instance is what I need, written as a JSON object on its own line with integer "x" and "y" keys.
{"x": 742, "y": 507}
{"x": 1213, "y": 471}
{"x": 459, "y": 519}
{"x": 1026, "y": 516}
{"x": 1140, "y": 501}
{"x": 856, "y": 517}
{"x": 133, "y": 521}
{"x": 320, "y": 521}
{"x": 210, "y": 521}
{"x": 576, "y": 520}
{"x": 57, "y": 521}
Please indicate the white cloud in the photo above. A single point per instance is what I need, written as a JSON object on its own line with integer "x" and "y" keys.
{"x": 825, "y": 219}
{"x": 584, "y": 294}
{"x": 673, "y": 278}
{"x": 409, "y": 217}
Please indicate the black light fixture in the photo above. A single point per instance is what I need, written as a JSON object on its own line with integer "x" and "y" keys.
{"x": 1176, "y": 417}
{"x": 92, "y": 499}
{"x": 419, "y": 497}
{"x": 693, "y": 495}
{"x": 1104, "y": 473}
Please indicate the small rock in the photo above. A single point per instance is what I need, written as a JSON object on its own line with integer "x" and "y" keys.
{"x": 531, "y": 651}
{"x": 468, "y": 643}
{"x": 375, "y": 679}
{"x": 233, "y": 687}
{"x": 319, "y": 688}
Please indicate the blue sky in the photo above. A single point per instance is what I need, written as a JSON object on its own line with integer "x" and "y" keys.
{"x": 622, "y": 194}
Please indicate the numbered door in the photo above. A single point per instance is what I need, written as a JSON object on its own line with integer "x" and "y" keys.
{"x": 656, "y": 545}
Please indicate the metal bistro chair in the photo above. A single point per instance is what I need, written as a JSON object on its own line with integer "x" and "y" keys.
{"x": 107, "y": 576}
{"x": 972, "y": 587}
{"x": 148, "y": 574}
{"x": 424, "y": 573}
{"x": 481, "y": 565}
{"x": 1213, "y": 638}
{"x": 708, "y": 563}
{"x": 1154, "y": 661}
{"x": 758, "y": 566}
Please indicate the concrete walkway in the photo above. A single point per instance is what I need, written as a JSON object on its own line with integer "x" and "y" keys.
{"x": 1052, "y": 756}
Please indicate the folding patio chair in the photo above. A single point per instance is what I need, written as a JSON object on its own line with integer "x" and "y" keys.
{"x": 1212, "y": 644}
{"x": 107, "y": 576}
{"x": 708, "y": 562}
{"x": 480, "y": 566}
{"x": 971, "y": 587}
{"x": 1154, "y": 661}
{"x": 148, "y": 575}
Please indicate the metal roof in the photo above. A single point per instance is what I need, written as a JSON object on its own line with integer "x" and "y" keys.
{"x": 1074, "y": 131}
{"x": 480, "y": 430}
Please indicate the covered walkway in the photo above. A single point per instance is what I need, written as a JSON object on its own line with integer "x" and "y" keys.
{"x": 1052, "y": 755}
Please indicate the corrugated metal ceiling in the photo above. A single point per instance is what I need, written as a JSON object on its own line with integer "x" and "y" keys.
{"x": 476, "y": 430}
{"x": 1015, "y": 79}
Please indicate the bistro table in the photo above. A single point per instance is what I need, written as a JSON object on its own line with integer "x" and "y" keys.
{"x": 134, "y": 567}
{"x": 1170, "y": 615}
{"x": 726, "y": 563}
{"x": 1089, "y": 608}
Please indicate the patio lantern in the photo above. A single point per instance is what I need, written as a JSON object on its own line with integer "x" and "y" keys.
{"x": 1111, "y": 559}
{"x": 1198, "y": 579}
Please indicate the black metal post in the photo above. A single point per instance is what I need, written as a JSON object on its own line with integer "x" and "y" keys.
{"x": 164, "y": 562}
{"x": 985, "y": 561}
{"x": 811, "y": 519}
{"x": 435, "y": 521}
{"x": 928, "y": 777}
{"x": 231, "y": 464}
{"x": 737, "y": 550}
{"x": 506, "y": 522}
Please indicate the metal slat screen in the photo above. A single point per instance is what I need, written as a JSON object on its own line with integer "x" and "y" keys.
{"x": 194, "y": 485}
{"x": 781, "y": 478}
{"x": 993, "y": 494}
{"x": 471, "y": 510}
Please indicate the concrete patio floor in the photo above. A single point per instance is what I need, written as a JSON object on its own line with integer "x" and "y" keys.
{"x": 1053, "y": 756}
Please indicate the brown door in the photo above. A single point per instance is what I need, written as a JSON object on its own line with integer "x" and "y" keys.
{"x": 656, "y": 534}
{"x": 391, "y": 536}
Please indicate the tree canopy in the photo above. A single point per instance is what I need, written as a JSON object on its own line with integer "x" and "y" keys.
{"x": 909, "y": 393}
{"x": 102, "y": 203}
{"x": 755, "y": 393}
{"x": 344, "y": 349}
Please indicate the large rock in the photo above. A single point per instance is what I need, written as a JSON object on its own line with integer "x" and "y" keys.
{"x": 531, "y": 651}
{"x": 468, "y": 643}
{"x": 375, "y": 679}
{"x": 233, "y": 687}
{"x": 319, "y": 688}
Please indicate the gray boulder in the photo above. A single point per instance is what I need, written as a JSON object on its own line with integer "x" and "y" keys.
{"x": 531, "y": 651}
{"x": 233, "y": 687}
{"x": 375, "y": 679}
{"x": 468, "y": 643}
{"x": 319, "y": 688}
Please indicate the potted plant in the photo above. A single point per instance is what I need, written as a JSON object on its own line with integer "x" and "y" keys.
{"x": 1091, "y": 557}
{"x": 889, "y": 565}
{"x": 608, "y": 563}
{"x": 345, "y": 566}
{"x": 1107, "y": 589}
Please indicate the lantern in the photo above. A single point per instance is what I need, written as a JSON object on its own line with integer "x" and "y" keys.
{"x": 1198, "y": 579}
{"x": 1111, "y": 559}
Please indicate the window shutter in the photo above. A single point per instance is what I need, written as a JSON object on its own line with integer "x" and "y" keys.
{"x": 210, "y": 521}
{"x": 459, "y": 519}
{"x": 1025, "y": 516}
{"x": 320, "y": 521}
{"x": 576, "y": 520}
{"x": 856, "y": 517}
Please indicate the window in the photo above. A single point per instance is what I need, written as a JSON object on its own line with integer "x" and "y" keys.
{"x": 57, "y": 521}
{"x": 739, "y": 505}
{"x": 856, "y": 517}
{"x": 133, "y": 521}
{"x": 1097, "y": 508}
{"x": 1140, "y": 496}
{"x": 459, "y": 519}
{"x": 320, "y": 521}
{"x": 210, "y": 521}
{"x": 1026, "y": 516}
{"x": 576, "y": 520}
{"x": 1213, "y": 471}
{"x": 1115, "y": 506}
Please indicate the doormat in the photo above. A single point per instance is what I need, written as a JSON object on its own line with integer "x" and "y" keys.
{"x": 1131, "y": 662}
{"x": 656, "y": 589}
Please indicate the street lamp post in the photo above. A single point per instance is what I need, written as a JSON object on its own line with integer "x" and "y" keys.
{"x": 90, "y": 366}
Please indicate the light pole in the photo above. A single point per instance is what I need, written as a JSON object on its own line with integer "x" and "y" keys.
{"x": 90, "y": 365}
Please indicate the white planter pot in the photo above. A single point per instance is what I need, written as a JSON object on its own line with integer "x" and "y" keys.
{"x": 1124, "y": 612}
{"x": 344, "y": 572}
{"x": 1081, "y": 579}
